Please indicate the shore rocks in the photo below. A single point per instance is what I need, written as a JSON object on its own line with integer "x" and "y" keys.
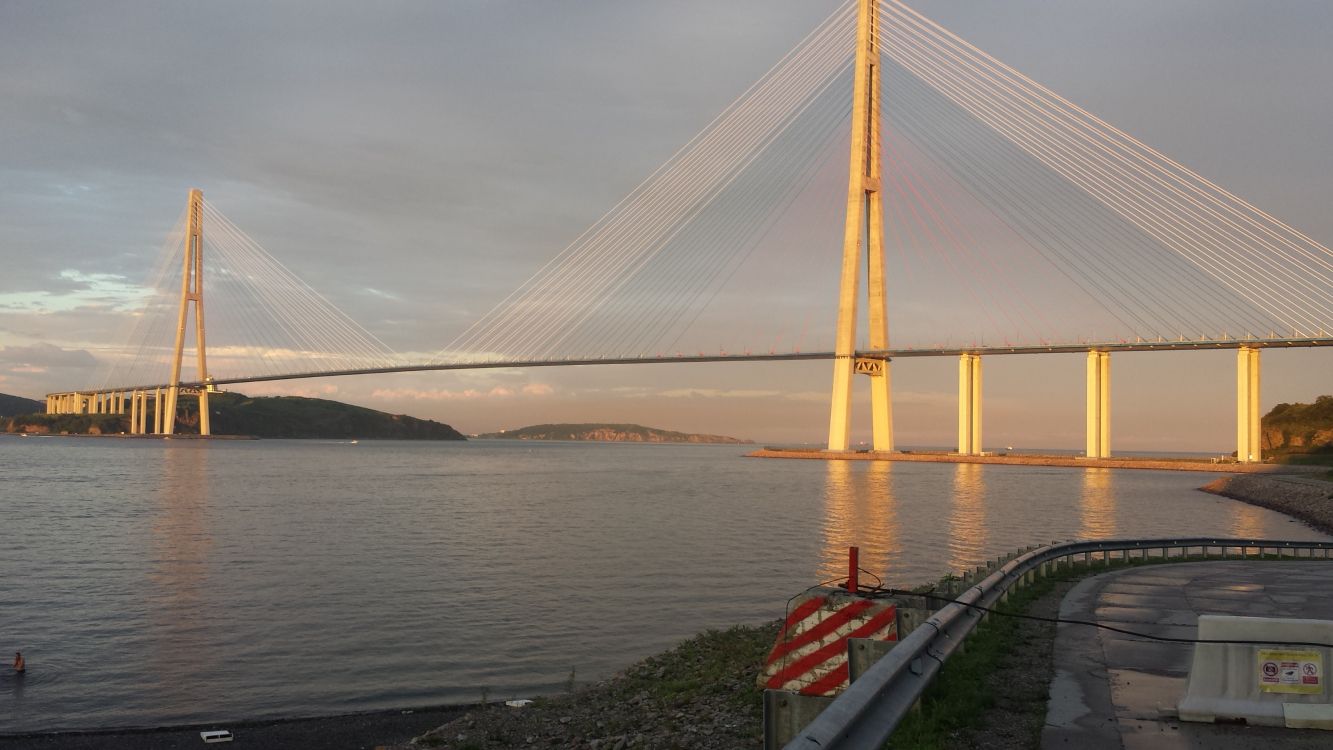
{"x": 700, "y": 694}
{"x": 1308, "y": 499}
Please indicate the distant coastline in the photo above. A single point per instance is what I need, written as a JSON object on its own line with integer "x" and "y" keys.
{"x": 608, "y": 433}
{"x": 235, "y": 415}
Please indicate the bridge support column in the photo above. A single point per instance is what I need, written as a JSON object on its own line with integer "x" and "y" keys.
{"x": 158, "y": 411}
{"x": 169, "y": 410}
{"x": 1099, "y": 405}
{"x": 134, "y": 413}
{"x": 205, "y": 428}
{"x": 969, "y": 404}
{"x": 1249, "y": 447}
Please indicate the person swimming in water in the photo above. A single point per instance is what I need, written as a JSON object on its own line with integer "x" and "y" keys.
{"x": 19, "y": 666}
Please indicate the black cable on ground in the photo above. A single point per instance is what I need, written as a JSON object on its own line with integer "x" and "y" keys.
{"x": 880, "y": 591}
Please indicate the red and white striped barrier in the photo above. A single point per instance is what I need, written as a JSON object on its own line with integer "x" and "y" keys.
{"x": 810, "y": 655}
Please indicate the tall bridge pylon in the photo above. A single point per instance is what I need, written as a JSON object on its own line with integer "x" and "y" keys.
{"x": 158, "y": 402}
{"x": 192, "y": 290}
{"x": 865, "y": 222}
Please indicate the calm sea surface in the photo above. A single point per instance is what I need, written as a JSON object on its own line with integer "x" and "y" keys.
{"x": 152, "y": 582}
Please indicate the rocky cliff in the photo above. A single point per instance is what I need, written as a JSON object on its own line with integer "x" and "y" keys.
{"x": 1299, "y": 428}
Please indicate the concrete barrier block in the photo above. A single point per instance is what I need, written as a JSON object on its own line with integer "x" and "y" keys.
{"x": 810, "y": 653}
{"x": 1257, "y": 683}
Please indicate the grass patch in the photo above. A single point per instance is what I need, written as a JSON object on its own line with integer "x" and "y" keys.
{"x": 960, "y": 695}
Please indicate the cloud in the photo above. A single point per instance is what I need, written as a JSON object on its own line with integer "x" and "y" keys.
{"x": 75, "y": 289}
{"x": 466, "y": 394}
{"x": 42, "y": 357}
{"x": 718, "y": 393}
{"x": 288, "y": 389}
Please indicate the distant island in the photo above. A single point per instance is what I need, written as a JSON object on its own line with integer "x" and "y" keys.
{"x": 260, "y": 416}
{"x": 609, "y": 433}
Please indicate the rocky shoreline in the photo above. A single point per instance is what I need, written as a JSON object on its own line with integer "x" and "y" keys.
{"x": 1309, "y": 499}
{"x": 701, "y": 694}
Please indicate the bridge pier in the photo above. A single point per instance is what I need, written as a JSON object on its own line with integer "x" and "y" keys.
{"x": 1099, "y": 405}
{"x": 158, "y": 411}
{"x": 1249, "y": 446}
{"x": 969, "y": 404}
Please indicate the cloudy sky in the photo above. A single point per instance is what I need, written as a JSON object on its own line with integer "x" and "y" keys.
{"x": 415, "y": 162}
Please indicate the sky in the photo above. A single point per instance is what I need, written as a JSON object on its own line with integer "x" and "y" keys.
{"x": 416, "y": 162}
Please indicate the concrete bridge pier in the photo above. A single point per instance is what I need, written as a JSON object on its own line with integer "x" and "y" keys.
{"x": 1248, "y": 435}
{"x": 1099, "y": 405}
{"x": 969, "y": 404}
{"x": 159, "y": 411}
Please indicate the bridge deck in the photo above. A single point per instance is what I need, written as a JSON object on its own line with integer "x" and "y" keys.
{"x": 1120, "y": 346}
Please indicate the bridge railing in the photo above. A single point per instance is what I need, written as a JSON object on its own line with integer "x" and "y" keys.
{"x": 865, "y": 715}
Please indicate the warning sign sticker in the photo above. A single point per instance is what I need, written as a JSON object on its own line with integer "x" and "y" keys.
{"x": 1291, "y": 671}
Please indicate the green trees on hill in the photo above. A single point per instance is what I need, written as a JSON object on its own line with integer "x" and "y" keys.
{"x": 269, "y": 417}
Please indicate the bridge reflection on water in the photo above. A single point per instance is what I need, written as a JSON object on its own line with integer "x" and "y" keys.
{"x": 963, "y": 513}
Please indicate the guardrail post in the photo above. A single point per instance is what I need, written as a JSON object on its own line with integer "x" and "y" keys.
{"x": 909, "y": 619}
{"x": 786, "y": 714}
{"x": 863, "y": 652}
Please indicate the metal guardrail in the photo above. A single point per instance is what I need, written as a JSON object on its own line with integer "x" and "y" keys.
{"x": 867, "y": 712}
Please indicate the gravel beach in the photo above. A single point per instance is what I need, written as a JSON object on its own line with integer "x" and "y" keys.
{"x": 1306, "y": 498}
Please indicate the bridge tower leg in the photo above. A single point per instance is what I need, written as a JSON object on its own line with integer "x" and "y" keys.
{"x": 969, "y": 404}
{"x": 1249, "y": 447}
{"x": 192, "y": 290}
{"x": 1099, "y": 405}
{"x": 865, "y": 217}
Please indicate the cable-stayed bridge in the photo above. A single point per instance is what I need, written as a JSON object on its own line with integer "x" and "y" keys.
{"x": 986, "y": 213}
